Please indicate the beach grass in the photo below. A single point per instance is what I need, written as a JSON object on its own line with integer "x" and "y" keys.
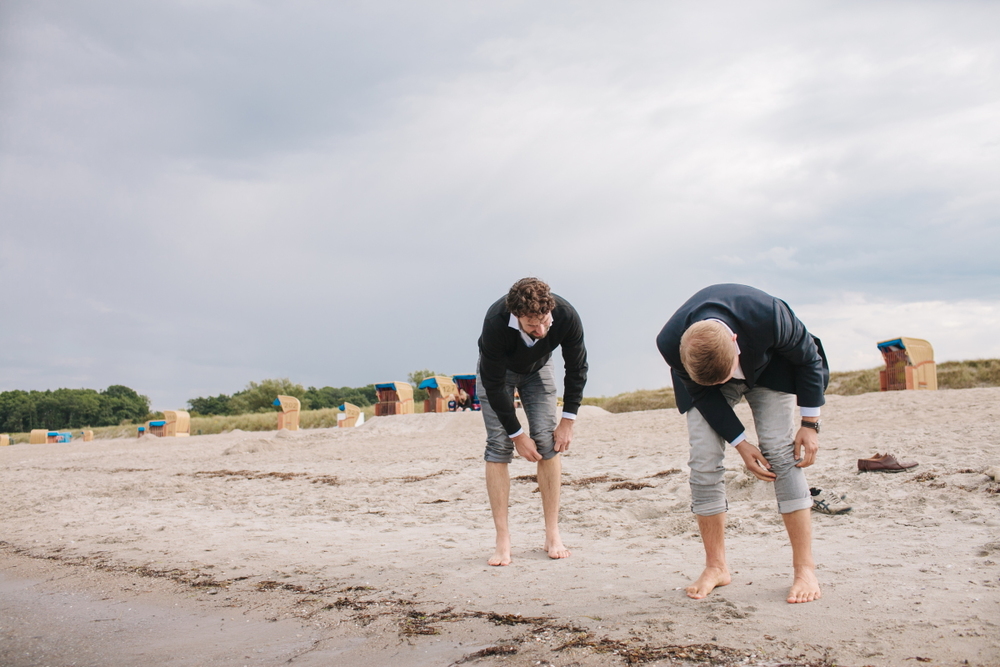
{"x": 634, "y": 401}
{"x": 969, "y": 374}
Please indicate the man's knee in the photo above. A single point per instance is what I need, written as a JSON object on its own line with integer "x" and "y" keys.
{"x": 548, "y": 455}
{"x": 781, "y": 458}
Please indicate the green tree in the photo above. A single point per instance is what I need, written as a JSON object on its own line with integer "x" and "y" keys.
{"x": 259, "y": 397}
{"x": 70, "y": 408}
{"x": 121, "y": 404}
{"x": 415, "y": 378}
{"x": 67, "y": 408}
{"x": 211, "y": 405}
{"x": 332, "y": 397}
{"x": 17, "y": 411}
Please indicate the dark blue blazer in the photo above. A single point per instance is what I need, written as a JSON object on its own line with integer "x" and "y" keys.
{"x": 776, "y": 352}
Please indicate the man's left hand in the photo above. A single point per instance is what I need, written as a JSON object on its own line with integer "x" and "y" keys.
{"x": 806, "y": 446}
{"x": 563, "y": 434}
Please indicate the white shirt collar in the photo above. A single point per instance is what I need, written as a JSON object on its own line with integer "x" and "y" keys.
{"x": 528, "y": 340}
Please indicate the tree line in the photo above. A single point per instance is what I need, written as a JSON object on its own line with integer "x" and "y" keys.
{"x": 259, "y": 396}
{"x": 22, "y": 411}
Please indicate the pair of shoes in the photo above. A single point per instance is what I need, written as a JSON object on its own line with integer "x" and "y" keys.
{"x": 828, "y": 502}
{"x": 885, "y": 463}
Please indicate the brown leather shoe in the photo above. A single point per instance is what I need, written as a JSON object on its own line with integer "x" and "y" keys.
{"x": 884, "y": 463}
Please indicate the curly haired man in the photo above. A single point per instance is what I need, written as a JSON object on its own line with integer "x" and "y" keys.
{"x": 520, "y": 332}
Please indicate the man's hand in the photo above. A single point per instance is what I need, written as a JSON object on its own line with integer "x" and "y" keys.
{"x": 526, "y": 447}
{"x": 564, "y": 434}
{"x": 755, "y": 462}
{"x": 806, "y": 439}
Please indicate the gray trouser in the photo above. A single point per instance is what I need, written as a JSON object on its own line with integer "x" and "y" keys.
{"x": 538, "y": 397}
{"x": 774, "y": 418}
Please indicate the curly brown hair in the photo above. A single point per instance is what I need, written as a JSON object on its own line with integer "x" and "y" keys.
{"x": 530, "y": 297}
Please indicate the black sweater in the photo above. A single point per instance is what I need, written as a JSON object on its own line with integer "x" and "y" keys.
{"x": 501, "y": 348}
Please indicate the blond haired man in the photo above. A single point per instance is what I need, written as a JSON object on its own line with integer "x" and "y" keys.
{"x": 725, "y": 343}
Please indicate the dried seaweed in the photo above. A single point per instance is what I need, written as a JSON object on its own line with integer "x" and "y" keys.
{"x": 417, "y": 623}
{"x": 600, "y": 479}
{"x": 666, "y": 473}
{"x": 630, "y": 486}
{"x": 633, "y": 652}
{"x": 500, "y": 649}
{"x": 508, "y": 619}
{"x": 248, "y": 474}
{"x": 420, "y": 478}
{"x": 273, "y": 585}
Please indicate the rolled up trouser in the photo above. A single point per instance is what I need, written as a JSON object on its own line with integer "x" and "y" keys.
{"x": 538, "y": 398}
{"x": 774, "y": 419}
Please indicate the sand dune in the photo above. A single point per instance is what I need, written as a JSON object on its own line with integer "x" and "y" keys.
{"x": 366, "y": 540}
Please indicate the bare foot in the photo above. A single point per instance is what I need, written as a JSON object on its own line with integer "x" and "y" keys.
{"x": 805, "y": 586}
{"x": 710, "y": 579}
{"x": 502, "y": 554}
{"x": 556, "y": 549}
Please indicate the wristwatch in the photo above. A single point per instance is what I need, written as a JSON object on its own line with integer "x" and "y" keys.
{"x": 813, "y": 425}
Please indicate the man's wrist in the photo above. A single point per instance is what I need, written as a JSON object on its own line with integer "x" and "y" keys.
{"x": 811, "y": 422}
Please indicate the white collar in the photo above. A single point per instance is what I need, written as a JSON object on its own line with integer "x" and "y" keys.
{"x": 528, "y": 340}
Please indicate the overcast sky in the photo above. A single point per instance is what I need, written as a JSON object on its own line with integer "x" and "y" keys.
{"x": 194, "y": 195}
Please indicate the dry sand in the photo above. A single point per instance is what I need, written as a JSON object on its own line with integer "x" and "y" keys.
{"x": 368, "y": 546}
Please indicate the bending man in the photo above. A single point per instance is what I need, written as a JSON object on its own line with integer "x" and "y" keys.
{"x": 515, "y": 352}
{"x": 733, "y": 341}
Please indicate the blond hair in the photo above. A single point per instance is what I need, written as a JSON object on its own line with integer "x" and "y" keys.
{"x": 708, "y": 353}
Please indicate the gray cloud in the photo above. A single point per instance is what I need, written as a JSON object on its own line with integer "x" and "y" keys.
{"x": 196, "y": 197}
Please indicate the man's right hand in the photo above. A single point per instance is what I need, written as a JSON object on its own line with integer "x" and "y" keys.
{"x": 526, "y": 447}
{"x": 755, "y": 462}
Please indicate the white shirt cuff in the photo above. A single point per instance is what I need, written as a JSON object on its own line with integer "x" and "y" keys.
{"x": 738, "y": 439}
{"x": 514, "y": 435}
{"x": 568, "y": 415}
{"x": 809, "y": 412}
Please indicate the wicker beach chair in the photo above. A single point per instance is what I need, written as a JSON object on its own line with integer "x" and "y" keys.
{"x": 909, "y": 364}
{"x": 288, "y": 418}
{"x": 394, "y": 398}
{"x": 439, "y": 388}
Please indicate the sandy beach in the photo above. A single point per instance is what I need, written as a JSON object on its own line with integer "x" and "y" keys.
{"x": 368, "y": 546}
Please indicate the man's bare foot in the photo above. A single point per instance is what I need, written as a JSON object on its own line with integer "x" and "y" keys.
{"x": 805, "y": 586}
{"x": 556, "y": 549}
{"x": 710, "y": 579}
{"x": 502, "y": 554}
